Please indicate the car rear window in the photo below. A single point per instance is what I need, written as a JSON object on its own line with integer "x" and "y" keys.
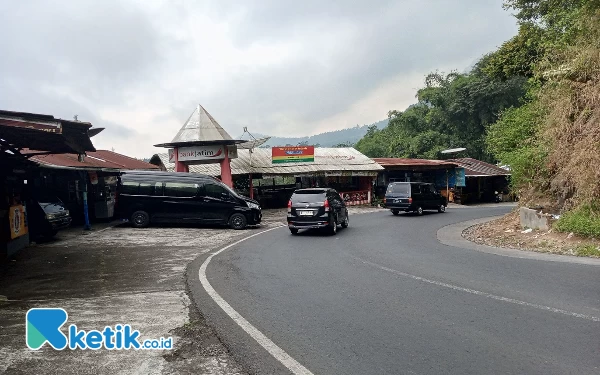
{"x": 398, "y": 189}
{"x": 309, "y": 196}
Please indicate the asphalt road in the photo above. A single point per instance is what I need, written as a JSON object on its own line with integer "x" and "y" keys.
{"x": 386, "y": 297}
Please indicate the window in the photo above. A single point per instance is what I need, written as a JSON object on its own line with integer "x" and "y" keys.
{"x": 399, "y": 188}
{"x": 215, "y": 191}
{"x": 129, "y": 187}
{"x": 158, "y": 188}
{"x": 146, "y": 188}
{"x": 309, "y": 196}
{"x": 180, "y": 189}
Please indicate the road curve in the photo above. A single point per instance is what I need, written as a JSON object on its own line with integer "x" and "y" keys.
{"x": 385, "y": 297}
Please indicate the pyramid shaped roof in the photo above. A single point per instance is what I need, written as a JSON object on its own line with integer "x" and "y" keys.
{"x": 201, "y": 127}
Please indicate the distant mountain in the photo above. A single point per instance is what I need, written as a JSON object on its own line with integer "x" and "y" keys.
{"x": 328, "y": 139}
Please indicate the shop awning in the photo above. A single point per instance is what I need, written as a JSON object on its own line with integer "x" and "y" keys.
{"x": 19, "y": 130}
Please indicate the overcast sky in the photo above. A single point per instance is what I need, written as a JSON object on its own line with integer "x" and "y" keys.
{"x": 285, "y": 68}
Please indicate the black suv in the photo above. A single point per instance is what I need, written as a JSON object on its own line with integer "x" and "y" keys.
{"x": 46, "y": 216}
{"x": 413, "y": 196}
{"x": 316, "y": 208}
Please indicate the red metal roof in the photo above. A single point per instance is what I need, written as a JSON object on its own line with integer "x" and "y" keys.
{"x": 474, "y": 167}
{"x": 402, "y": 162}
{"x": 93, "y": 160}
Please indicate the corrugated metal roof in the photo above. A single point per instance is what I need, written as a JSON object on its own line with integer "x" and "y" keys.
{"x": 201, "y": 126}
{"x": 478, "y": 168}
{"x": 403, "y": 162}
{"x": 101, "y": 159}
{"x": 259, "y": 161}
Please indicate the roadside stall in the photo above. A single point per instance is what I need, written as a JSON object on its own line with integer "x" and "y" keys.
{"x": 272, "y": 175}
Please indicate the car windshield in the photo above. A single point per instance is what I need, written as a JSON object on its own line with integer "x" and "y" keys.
{"x": 309, "y": 196}
{"x": 398, "y": 189}
{"x": 48, "y": 199}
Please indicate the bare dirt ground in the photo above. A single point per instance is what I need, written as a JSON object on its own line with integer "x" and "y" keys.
{"x": 506, "y": 232}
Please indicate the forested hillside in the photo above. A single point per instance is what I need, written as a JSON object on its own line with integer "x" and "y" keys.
{"x": 533, "y": 104}
{"x": 453, "y": 110}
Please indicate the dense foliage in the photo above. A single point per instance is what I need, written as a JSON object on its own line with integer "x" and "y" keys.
{"x": 532, "y": 104}
{"x": 453, "y": 110}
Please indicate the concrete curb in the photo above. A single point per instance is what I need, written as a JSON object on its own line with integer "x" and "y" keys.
{"x": 451, "y": 235}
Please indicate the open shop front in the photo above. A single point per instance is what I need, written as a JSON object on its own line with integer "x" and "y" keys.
{"x": 275, "y": 191}
{"x": 255, "y": 174}
{"x": 443, "y": 174}
{"x": 21, "y": 131}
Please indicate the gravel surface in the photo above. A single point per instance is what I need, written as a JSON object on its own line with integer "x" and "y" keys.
{"x": 506, "y": 232}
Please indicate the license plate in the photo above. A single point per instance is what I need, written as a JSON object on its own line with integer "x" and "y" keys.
{"x": 305, "y": 213}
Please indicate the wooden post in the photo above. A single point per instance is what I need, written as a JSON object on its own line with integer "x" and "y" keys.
{"x": 447, "y": 187}
{"x": 251, "y": 186}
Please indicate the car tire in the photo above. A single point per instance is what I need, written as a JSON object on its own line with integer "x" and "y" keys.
{"x": 294, "y": 231}
{"x": 346, "y": 222}
{"x": 140, "y": 219}
{"x": 332, "y": 226}
{"x": 396, "y": 212}
{"x": 419, "y": 210}
{"x": 441, "y": 208}
{"x": 238, "y": 221}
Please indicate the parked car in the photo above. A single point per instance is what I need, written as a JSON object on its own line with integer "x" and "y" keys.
{"x": 316, "y": 208}
{"x": 413, "y": 197}
{"x": 46, "y": 215}
{"x": 146, "y": 197}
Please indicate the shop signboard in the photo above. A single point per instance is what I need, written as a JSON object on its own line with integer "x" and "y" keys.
{"x": 293, "y": 154}
{"x": 18, "y": 221}
{"x": 460, "y": 177}
{"x": 203, "y": 153}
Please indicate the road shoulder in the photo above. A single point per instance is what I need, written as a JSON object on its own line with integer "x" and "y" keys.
{"x": 451, "y": 235}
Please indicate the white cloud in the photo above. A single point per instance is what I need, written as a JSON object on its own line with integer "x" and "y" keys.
{"x": 139, "y": 68}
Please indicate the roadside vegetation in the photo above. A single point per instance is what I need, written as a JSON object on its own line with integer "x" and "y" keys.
{"x": 533, "y": 104}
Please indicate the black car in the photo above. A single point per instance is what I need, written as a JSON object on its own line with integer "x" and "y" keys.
{"x": 413, "y": 197}
{"x": 46, "y": 216}
{"x": 169, "y": 197}
{"x": 316, "y": 208}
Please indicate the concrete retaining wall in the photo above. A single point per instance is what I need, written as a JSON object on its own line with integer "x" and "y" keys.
{"x": 534, "y": 219}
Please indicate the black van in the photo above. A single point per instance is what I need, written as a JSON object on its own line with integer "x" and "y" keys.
{"x": 171, "y": 197}
{"x": 413, "y": 196}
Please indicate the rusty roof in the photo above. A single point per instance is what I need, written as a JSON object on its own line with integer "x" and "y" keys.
{"x": 478, "y": 168}
{"x": 404, "y": 162}
{"x": 94, "y": 160}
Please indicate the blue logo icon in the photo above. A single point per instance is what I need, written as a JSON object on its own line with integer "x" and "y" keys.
{"x": 43, "y": 326}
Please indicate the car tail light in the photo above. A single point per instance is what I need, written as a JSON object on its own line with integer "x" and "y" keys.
{"x": 384, "y": 200}
{"x": 290, "y": 206}
{"x": 410, "y": 200}
{"x": 326, "y": 205}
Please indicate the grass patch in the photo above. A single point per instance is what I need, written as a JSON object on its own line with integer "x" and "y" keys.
{"x": 587, "y": 251}
{"x": 584, "y": 221}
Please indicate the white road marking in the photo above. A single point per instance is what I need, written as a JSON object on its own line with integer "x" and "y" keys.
{"x": 279, "y": 354}
{"x": 480, "y": 293}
